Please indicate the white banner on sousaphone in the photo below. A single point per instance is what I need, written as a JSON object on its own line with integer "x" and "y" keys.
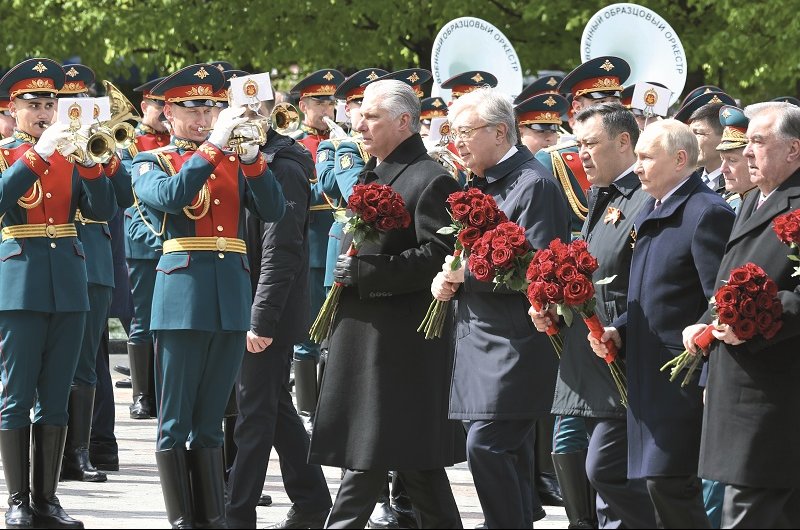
{"x": 644, "y": 39}
{"x": 469, "y": 43}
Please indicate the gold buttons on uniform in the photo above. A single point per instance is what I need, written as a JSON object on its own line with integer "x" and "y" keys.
{"x": 213, "y": 177}
{"x": 232, "y": 158}
{"x": 52, "y": 245}
{"x": 216, "y": 202}
{"x": 46, "y": 171}
{"x": 219, "y": 228}
{"x": 568, "y": 157}
{"x": 5, "y": 152}
{"x": 221, "y": 255}
{"x": 50, "y": 220}
{"x": 48, "y": 195}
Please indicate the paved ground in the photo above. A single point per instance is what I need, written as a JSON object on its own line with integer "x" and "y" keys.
{"x": 132, "y": 497}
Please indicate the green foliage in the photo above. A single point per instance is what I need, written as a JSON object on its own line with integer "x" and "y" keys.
{"x": 747, "y": 48}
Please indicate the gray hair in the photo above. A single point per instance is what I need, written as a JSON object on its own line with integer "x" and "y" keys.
{"x": 398, "y": 98}
{"x": 492, "y": 106}
{"x": 674, "y": 136}
{"x": 787, "y": 126}
{"x": 616, "y": 120}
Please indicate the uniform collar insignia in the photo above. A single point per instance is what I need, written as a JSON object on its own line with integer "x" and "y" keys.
{"x": 23, "y": 136}
{"x": 311, "y": 130}
{"x": 186, "y": 145}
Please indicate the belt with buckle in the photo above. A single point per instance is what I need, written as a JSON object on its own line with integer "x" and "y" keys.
{"x": 39, "y": 230}
{"x": 215, "y": 244}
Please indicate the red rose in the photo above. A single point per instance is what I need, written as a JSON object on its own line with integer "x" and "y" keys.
{"x": 726, "y": 296}
{"x": 586, "y": 262}
{"x": 751, "y": 288}
{"x": 744, "y": 329}
{"x": 371, "y": 197}
{"x": 474, "y": 192}
{"x": 532, "y": 274}
{"x": 547, "y": 270}
{"x": 405, "y": 219}
{"x": 502, "y": 257}
{"x": 554, "y": 293}
{"x": 456, "y": 197}
{"x": 792, "y": 228}
{"x": 770, "y": 287}
{"x": 500, "y": 242}
{"x": 518, "y": 241}
{"x": 536, "y": 294}
{"x": 739, "y": 276}
{"x": 468, "y": 236}
{"x": 727, "y": 315}
{"x": 747, "y": 308}
{"x": 578, "y": 291}
{"x": 480, "y": 268}
{"x": 460, "y": 212}
{"x": 481, "y": 249}
{"x": 355, "y": 203}
{"x": 764, "y": 301}
{"x": 385, "y": 207}
{"x": 566, "y": 273}
{"x": 476, "y": 203}
{"x": 543, "y": 255}
{"x": 385, "y": 224}
{"x": 369, "y": 214}
{"x": 764, "y": 322}
{"x": 477, "y": 218}
{"x": 556, "y": 244}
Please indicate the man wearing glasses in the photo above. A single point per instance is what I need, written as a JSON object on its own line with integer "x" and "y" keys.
{"x": 504, "y": 373}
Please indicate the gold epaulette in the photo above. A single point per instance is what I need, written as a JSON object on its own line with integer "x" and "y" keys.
{"x": 561, "y": 173}
{"x": 133, "y": 150}
{"x": 558, "y": 147}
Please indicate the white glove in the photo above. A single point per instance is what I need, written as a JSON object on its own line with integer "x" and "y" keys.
{"x": 227, "y": 120}
{"x": 250, "y": 153}
{"x": 52, "y": 136}
{"x": 83, "y": 135}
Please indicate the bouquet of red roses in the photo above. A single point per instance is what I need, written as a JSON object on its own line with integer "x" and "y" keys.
{"x": 501, "y": 256}
{"x": 561, "y": 275}
{"x": 787, "y": 226}
{"x": 375, "y": 208}
{"x": 748, "y": 303}
{"x": 473, "y": 212}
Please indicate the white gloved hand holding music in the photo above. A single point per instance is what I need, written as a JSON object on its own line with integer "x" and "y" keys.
{"x": 48, "y": 142}
{"x": 227, "y": 120}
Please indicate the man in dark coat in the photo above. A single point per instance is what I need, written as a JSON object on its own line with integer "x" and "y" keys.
{"x": 606, "y": 135}
{"x": 504, "y": 372}
{"x": 383, "y": 400}
{"x": 751, "y": 438}
{"x": 680, "y": 238}
{"x": 278, "y": 254}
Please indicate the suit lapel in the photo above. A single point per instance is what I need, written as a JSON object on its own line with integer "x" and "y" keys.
{"x": 775, "y": 205}
{"x": 408, "y": 152}
{"x": 671, "y": 205}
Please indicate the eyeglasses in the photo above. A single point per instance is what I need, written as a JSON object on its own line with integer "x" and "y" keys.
{"x": 465, "y": 134}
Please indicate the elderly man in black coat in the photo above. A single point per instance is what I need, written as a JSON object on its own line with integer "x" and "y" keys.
{"x": 504, "y": 371}
{"x": 606, "y": 135}
{"x": 680, "y": 238}
{"x": 383, "y": 399}
{"x": 751, "y": 431}
{"x": 278, "y": 254}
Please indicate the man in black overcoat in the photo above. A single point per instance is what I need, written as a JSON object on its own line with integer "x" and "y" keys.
{"x": 383, "y": 399}
{"x": 751, "y": 427}
{"x": 278, "y": 254}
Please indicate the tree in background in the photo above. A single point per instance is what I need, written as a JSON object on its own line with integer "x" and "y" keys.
{"x": 747, "y": 48}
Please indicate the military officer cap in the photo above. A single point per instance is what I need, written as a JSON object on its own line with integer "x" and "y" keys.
{"x": 788, "y": 99}
{"x": 77, "y": 80}
{"x": 626, "y": 97}
{"x": 434, "y": 107}
{"x": 192, "y": 86}
{"x": 705, "y": 89}
{"x": 221, "y": 96}
{"x": 598, "y": 78}
{"x": 547, "y": 84}
{"x": 147, "y": 88}
{"x": 466, "y": 82}
{"x": 735, "y": 126}
{"x": 709, "y": 98}
{"x": 33, "y": 78}
{"x": 321, "y": 84}
{"x": 413, "y": 77}
{"x": 542, "y": 112}
{"x": 222, "y": 66}
{"x": 353, "y": 87}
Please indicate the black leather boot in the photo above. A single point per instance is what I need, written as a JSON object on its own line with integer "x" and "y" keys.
{"x": 544, "y": 479}
{"x": 140, "y": 355}
{"x": 401, "y": 504}
{"x": 48, "y": 448}
{"x": 15, "y": 447}
{"x": 173, "y": 471}
{"x": 208, "y": 487}
{"x": 76, "y": 464}
{"x": 578, "y": 494}
{"x": 383, "y": 516}
{"x": 305, "y": 378}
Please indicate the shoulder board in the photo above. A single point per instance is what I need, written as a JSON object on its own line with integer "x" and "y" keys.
{"x": 133, "y": 150}
{"x": 166, "y": 148}
{"x": 558, "y": 147}
{"x": 6, "y": 141}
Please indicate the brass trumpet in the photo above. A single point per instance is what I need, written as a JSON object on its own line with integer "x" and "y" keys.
{"x": 283, "y": 119}
{"x": 439, "y": 152}
{"x": 98, "y": 147}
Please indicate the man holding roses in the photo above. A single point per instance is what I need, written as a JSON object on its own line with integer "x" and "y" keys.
{"x": 751, "y": 430}
{"x": 504, "y": 371}
{"x": 680, "y": 238}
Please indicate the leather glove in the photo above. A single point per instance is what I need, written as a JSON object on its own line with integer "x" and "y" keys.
{"x": 346, "y": 270}
{"x": 48, "y": 142}
{"x": 250, "y": 153}
{"x": 227, "y": 120}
